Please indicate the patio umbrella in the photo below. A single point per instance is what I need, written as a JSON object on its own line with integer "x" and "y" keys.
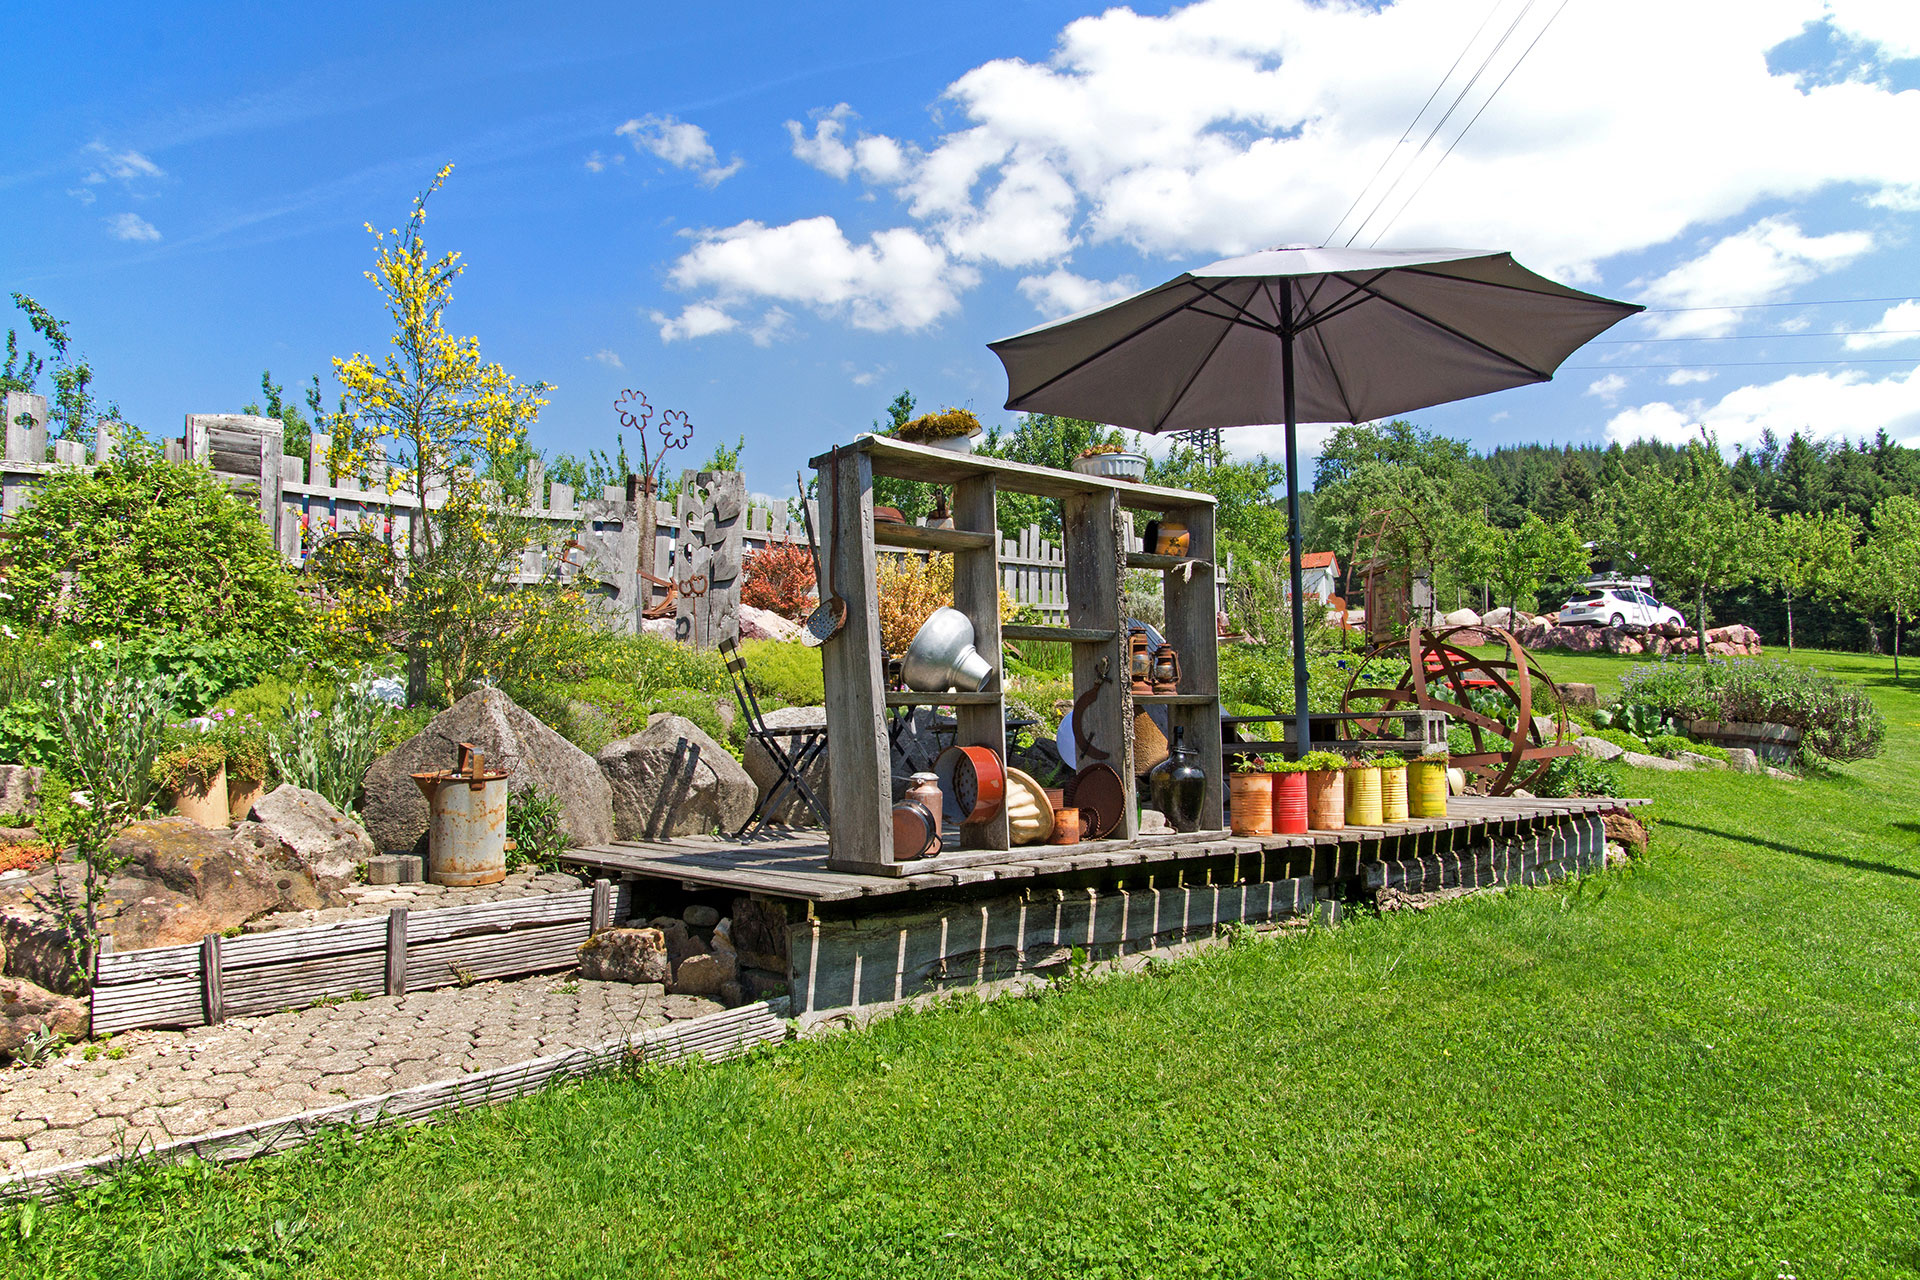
{"x": 1305, "y": 334}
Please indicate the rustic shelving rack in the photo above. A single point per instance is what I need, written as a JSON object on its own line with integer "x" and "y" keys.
{"x": 1095, "y": 539}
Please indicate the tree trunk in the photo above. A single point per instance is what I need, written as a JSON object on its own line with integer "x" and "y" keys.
{"x": 1789, "y": 625}
{"x": 1700, "y": 616}
{"x": 1896, "y": 646}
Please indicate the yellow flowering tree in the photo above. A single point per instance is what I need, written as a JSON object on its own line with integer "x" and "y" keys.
{"x": 447, "y": 426}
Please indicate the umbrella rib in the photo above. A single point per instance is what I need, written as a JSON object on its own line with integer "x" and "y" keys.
{"x": 1129, "y": 336}
{"x": 1199, "y": 367}
{"x": 1467, "y": 338}
{"x": 1631, "y": 308}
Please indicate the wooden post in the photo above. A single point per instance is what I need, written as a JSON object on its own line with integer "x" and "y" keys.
{"x": 976, "y": 593}
{"x": 1192, "y": 631}
{"x": 1096, "y": 565}
{"x": 212, "y": 998}
{"x": 602, "y": 914}
{"x": 860, "y": 835}
{"x": 397, "y": 951}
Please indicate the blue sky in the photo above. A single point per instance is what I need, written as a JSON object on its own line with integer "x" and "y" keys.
{"x": 777, "y": 216}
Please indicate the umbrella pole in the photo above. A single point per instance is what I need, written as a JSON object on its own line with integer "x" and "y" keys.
{"x": 1302, "y": 735}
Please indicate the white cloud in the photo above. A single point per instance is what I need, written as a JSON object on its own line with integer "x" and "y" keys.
{"x": 682, "y": 145}
{"x": 1685, "y": 377}
{"x": 1894, "y": 25}
{"x": 1608, "y": 388}
{"x": 1900, "y": 324}
{"x": 1761, "y": 264}
{"x": 696, "y": 321}
{"x": 598, "y": 163}
{"x": 896, "y": 280}
{"x": 131, "y": 226}
{"x": 608, "y": 357}
{"x": 1228, "y": 125}
{"x": 121, "y": 166}
{"x": 1844, "y": 403}
{"x": 1061, "y": 293}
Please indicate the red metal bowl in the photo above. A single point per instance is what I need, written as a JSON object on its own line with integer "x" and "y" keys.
{"x": 974, "y": 779}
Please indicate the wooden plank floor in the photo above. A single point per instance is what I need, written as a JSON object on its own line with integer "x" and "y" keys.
{"x": 793, "y": 864}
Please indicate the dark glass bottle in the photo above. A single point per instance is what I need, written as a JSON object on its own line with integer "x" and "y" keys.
{"x": 1178, "y": 786}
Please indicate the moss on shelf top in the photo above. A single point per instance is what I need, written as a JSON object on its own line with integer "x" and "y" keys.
{"x": 947, "y": 424}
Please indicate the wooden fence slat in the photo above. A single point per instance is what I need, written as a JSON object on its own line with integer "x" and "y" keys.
{"x": 397, "y": 951}
{"x": 211, "y": 995}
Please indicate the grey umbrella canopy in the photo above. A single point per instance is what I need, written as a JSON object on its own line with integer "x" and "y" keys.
{"x": 1305, "y": 334}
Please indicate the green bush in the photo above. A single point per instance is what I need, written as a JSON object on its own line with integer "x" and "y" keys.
{"x": 1836, "y": 720}
{"x": 781, "y": 671}
{"x": 1622, "y": 739}
{"x": 1577, "y": 776}
{"x": 140, "y": 547}
{"x": 536, "y": 826}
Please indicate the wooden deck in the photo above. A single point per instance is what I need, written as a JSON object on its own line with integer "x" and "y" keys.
{"x": 793, "y": 864}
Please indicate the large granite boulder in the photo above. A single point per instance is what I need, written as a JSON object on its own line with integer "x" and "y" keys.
{"x": 20, "y": 789}
{"x": 26, "y": 1009}
{"x": 661, "y": 789}
{"x": 1600, "y": 748}
{"x": 303, "y": 826}
{"x": 792, "y": 810}
{"x": 510, "y": 738}
{"x": 183, "y": 881}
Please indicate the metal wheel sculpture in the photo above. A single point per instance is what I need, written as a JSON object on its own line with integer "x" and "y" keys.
{"x": 1443, "y": 676}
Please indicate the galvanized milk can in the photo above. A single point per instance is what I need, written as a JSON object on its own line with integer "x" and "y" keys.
{"x": 467, "y": 832}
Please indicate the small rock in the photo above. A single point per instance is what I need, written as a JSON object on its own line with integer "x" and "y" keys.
{"x": 1698, "y": 761}
{"x": 1154, "y": 823}
{"x": 26, "y": 1009}
{"x": 625, "y": 955}
{"x": 1616, "y": 854}
{"x": 1743, "y": 760}
{"x": 1600, "y": 748}
{"x": 764, "y": 624}
{"x": 1625, "y": 830}
{"x": 1580, "y": 695}
{"x": 701, "y": 916}
{"x": 704, "y": 975}
{"x": 20, "y": 788}
{"x": 395, "y": 868}
{"x": 1640, "y": 760}
{"x": 1782, "y": 774}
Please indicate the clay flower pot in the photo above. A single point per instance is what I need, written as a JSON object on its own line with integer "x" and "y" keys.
{"x": 1290, "y": 803}
{"x": 1250, "y": 803}
{"x": 207, "y": 806}
{"x": 242, "y": 794}
{"x": 1327, "y": 800}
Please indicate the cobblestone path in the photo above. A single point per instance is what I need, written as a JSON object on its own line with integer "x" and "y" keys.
{"x": 177, "y": 1084}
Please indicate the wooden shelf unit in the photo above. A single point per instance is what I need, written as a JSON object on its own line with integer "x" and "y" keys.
{"x": 860, "y": 799}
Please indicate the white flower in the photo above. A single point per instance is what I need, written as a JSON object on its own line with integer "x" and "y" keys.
{"x": 8, "y": 632}
{"x": 82, "y": 799}
{"x": 46, "y": 684}
{"x": 98, "y": 644}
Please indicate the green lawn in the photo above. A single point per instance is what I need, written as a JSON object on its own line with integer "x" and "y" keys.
{"x": 1706, "y": 1066}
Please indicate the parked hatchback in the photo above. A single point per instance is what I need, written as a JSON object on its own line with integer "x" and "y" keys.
{"x": 1617, "y": 605}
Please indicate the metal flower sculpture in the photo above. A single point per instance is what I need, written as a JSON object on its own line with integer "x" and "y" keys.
{"x": 675, "y": 428}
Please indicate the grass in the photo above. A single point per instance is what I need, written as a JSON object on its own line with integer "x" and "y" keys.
{"x": 1703, "y": 1066}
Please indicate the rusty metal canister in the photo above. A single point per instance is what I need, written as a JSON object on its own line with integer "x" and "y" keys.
{"x": 467, "y": 829}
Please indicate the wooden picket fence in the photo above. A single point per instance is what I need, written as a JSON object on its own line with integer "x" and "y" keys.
{"x": 208, "y": 981}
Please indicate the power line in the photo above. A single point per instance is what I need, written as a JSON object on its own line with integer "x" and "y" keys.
{"x": 1738, "y": 364}
{"x": 1413, "y": 123}
{"x": 1441, "y": 123}
{"x": 1755, "y": 337}
{"x": 1753, "y": 306}
{"x": 1476, "y": 119}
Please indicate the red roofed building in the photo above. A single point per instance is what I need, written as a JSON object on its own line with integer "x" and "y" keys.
{"x": 1319, "y": 575}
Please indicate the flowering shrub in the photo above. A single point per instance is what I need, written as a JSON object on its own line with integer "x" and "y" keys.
{"x": 1836, "y": 720}
{"x": 780, "y": 578}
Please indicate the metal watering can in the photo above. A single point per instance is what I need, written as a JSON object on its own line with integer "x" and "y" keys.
{"x": 467, "y": 832}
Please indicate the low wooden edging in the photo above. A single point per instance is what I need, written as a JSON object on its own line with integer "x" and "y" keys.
{"x": 207, "y": 981}
{"x": 715, "y": 1038}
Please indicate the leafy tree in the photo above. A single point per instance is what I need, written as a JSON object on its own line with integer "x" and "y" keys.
{"x": 296, "y": 440}
{"x": 1801, "y": 554}
{"x": 1886, "y": 571}
{"x": 1040, "y": 440}
{"x": 1420, "y": 488}
{"x": 445, "y": 422}
{"x": 1688, "y": 529}
{"x": 594, "y": 472}
{"x": 72, "y": 410}
{"x": 1247, "y": 518}
{"x": 1521, "y": 561}
{"x": 913, "y": 498}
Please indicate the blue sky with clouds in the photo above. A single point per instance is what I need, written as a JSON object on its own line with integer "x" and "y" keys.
{"x": 775, "y": 216}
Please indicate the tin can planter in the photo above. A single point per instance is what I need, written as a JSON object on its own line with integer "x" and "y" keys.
{"x": 204, "y": 803}
{"x": 1363, "y": 796}
{"x": 1427, "y": 788}
{"x": 1290, "y": 803}
{"x": 242, "y": 795}
{"x": 1250, "y": 803}
{"x": 467, "y": 826}
{"x": 1393, "y": 794}
{"x": 1327, "y": 800}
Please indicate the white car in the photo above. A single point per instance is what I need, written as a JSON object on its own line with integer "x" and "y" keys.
{"x": 1617, "y": 605}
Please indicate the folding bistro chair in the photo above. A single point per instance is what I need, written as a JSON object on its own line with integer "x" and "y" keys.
{"x": 792, "y": 751}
